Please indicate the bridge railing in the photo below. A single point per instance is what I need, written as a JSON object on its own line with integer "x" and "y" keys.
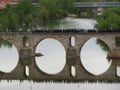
{"x": 96, "y": 4}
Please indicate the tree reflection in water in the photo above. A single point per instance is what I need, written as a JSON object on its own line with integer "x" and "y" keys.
{"x": 93, "y": 56}
{"x": 9, "y": 56}
{"x": 5, "y": 44}
{"x": 103, "y": 45}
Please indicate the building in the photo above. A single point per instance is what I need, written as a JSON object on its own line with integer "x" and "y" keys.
{"x": 3, "y": 3}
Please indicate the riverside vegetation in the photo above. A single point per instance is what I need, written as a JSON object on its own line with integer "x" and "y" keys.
{"x": 25, "y": 16}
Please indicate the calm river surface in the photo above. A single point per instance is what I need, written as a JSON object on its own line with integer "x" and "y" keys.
{"x": 70, "y": 23}
{"x": 92, "y": 55}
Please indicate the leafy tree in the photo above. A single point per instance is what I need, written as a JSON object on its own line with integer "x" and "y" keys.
{"x": 109, "y": 19}
{"x": 9, "y": 20}
{"x": 5, "y": 43}
{"x": 56, "y": 8}
{"x": 25, "y": 6}
{"x": 21, "y": 17}
{"x": 66, "y": 4}
{"x": 45, "y": 13}
{"x": 49, "y": 6}
{"x": 13, "y": 18}
{"x": 103, "y": 45}
{"x": 4, "y": 23}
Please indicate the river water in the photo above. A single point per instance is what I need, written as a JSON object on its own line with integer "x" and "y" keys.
{"x": 69, "y": 23}
{"x": 92, "y": 55}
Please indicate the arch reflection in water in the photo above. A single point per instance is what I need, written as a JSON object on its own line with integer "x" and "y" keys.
{"x": 118, "y": 71}
{"x": 27, "y": 71}
{"x": 25, "y": 41}
{"x": 5, "y": 44}
{"x": 8, "y": 56}
{"x": 93, "y": 56}
{"x": 54, "y": 56}
{"x": 72, "y": 41}
{"x": 73, "y": 73}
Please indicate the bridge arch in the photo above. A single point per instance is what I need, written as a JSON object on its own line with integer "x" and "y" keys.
{"x": 60, "y": 41}
{"x": 103, "y": 40}
{"x": 53, "y": 60}
{"x": 64, "y": 40}
{"x": 9, "y": 56}
{"x": 15, "y": 39}
{"x": 93, "y": 56}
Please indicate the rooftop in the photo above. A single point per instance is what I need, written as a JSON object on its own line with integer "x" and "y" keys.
{"x": 3, "y": 3}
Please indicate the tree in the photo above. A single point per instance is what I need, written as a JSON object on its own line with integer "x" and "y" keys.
{"x": 109, "y": 19}
{"x": 45, "y": 13}
{"x": 56, "y": 8}
{"x": 49, "y": 6}
{"x": 13, "y": 19}
{"x": 4, "y": 18}
{"x": 21, "y": 16}
{"x": 27, "y": 14}
{"x": 9, "y": 20}
{"x": 25, "y": 6}
{"x": 66, "y": 4}
{"x": 4, "y": 23}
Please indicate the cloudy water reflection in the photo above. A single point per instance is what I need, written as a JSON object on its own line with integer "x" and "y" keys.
{"x": 54, "y": 56}
{"x": 93, "y": 56}
{"x": 8, "y": 56}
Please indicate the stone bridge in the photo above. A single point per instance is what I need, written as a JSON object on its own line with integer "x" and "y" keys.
{"x": 27, "y": 53}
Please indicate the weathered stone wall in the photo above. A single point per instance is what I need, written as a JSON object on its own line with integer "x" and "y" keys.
{"x": 72, "y": 56}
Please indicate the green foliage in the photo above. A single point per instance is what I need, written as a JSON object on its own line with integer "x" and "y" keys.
{"x": 13, "y": 20}
{"x": 66, "y": 4}
{"x": 50, "y": 6}
{"x": 103, "y": 45}
{"x": 109, "y": 19}
{"x": 53, "y": 9}
{"x": 27, "y": 16}
{"x": 4, "y": 22}
{"x": 45, "y": 13}
{"x": 24, "y": 15}
{"x": 9, "y": 19}
{"x": 5, "y": 44}
{"x": 90, "y": 14}
{"x": 25, "y": 6}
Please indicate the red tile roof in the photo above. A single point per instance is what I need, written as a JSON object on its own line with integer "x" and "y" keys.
{"x": 2, "y": 6}
{"x": 9, "y": 0}
{"x": 3, "y": 3}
